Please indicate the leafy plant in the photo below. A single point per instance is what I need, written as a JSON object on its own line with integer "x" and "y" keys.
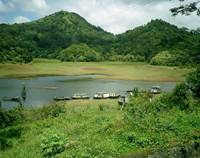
{"x": 52, "y": 110}
{"x": 11, "y": 117}
{"x": 193, "y": 80}
{"x": 52, "y": 144}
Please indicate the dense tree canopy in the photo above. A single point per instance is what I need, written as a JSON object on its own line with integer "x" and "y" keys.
{"x": 157, "y": 36}
{"x": 47, "y": 37}
{"x": 79, "y": 52}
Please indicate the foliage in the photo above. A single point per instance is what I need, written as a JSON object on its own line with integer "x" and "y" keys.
{"x": 47, "y": 37}
{"x": 173, "y": 58}
{"x": 147, "y": 127}
{"x": 10, "y": 117}
{"x": 80, "y": 53}
{"x": 193, "y": 80}
{"x": 15, "y": 55}
{"x": 158, "y": 36}
{"x": 7, "y": 134}
{"x": 135, "y": 92}
{"x": 127, "y": 58}
{"x": 52, "y": 144}
{"x": 180, "y": 97}
{"x": 52, "y": 110}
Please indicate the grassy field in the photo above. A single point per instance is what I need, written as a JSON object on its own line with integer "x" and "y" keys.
{"x": 99, "y": 129}
{"x": 111, "y": 70}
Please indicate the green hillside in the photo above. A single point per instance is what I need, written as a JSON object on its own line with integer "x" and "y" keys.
{"x": 157, "y": 36}
{"x": 49, "y": 36}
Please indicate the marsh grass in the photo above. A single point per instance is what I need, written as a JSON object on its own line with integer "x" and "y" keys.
{"x": 111, "y": 70}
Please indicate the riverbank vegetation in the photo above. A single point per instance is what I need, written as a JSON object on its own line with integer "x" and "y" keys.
{"x": 100, "y": 129}
{"x": 107, "y": 70}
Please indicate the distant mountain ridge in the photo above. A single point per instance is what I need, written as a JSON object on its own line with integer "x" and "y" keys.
{"x": 48, "y": 36}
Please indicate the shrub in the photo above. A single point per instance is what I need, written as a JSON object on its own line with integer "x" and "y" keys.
{"x": 4, "y": 143}
{"x": 170, "y": 58}
{"x": 12, "y": 132}
{"x": 52, "y": 144}
{"x": 7, "y": 134}
{"x": 135, "y": 92}
{"x": 11, "y": 117}
{"x": 193, "y": 81}
{"x": 79, "y": 52}
{"x": 53, "y": 110}
{"x": 180, "y": 96}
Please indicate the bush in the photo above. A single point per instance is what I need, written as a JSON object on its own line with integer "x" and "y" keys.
{"x": 7, "y": 134}
{"x": 180, "y": 96}
{"x": 193, "y": 81}
{"x": 52, "y": 144}
{"x": 170, "y": 58}
{"x": 53, "y": 110}
{"x": 80, "y": 53}
{"x": 4, "y": 143}
{"x": 10, "y": 117}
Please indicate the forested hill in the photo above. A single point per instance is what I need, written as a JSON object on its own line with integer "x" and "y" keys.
{"x": 47, "y": 36}
{"x": 158, "y": 36}
{"x": 69, "y": 37}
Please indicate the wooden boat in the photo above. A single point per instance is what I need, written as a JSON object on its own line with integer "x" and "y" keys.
{"x": 80, "y": 97}
{"x": 14, "y": 99}
{"x": 113, "y": 96}
{"x": 61, "y": 98}
{"x": 101, "y": 95}
{"x": 155, "y": 90}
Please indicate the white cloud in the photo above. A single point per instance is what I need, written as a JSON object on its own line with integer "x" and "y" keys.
{"x": 37, "y": 6}
{"x": 118, "y": 16}
{"x": 114, "y": 16}
{"x": 20, "y": 19}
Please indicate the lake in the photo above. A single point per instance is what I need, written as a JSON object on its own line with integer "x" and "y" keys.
{"x": 42, "y": 90}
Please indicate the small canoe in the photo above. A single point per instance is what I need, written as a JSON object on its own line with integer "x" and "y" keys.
{"x": 101, "y": 95}
{"x": 61, "y": 98}
{"x": 14, "y": 99}
{"x": 113, "y": 96}
{"x": 80, "y": 97}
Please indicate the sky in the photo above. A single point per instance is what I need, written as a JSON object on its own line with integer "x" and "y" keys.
{"x": 116, "y": 16}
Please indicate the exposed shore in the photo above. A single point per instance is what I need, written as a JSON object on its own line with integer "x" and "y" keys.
{"x": 107, "y": 70}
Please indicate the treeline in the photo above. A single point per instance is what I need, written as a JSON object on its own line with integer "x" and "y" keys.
{"x": 63, "y": 35}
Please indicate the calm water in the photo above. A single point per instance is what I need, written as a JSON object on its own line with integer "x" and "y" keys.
{"x": 42, "y": 90}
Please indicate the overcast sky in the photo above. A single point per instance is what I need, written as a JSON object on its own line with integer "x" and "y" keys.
{"x": 115, "y": 16}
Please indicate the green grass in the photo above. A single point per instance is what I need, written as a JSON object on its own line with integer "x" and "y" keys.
{"x": 99, "y": 129}
{"x": 111, "y": 70}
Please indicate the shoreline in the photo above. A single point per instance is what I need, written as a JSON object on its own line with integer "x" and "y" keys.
{"x": 107, "y": 70}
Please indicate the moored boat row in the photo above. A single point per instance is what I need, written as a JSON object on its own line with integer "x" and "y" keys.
{"x": 99, "y": 95}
